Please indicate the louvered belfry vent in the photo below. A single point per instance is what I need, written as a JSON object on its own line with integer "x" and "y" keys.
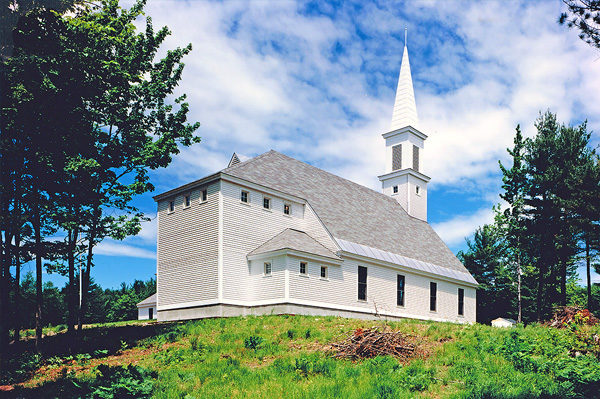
{"x": 234, "y": 160}
{"x": 415, "y": 158}
{"x": 397, "y": 157}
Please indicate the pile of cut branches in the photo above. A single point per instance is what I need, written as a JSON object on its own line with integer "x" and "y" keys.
{"x": 565, "y": 315}
{"x": 371, "y": 342}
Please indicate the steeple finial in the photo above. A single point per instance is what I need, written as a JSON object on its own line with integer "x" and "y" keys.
{"x": 405, "y": 107}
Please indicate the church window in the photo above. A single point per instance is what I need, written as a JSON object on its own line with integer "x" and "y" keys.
{"x": 203, "y": 195}
{"x": 171, "y": 206}
{"x": 187, "y": 201}
{"x": 397, "y": 157}
{"x": 302, "y": 267}
{"x": 324, "y": 272}
{"x": 395, "y": 189}
{"x": 287, "y": 209}
{"x": 461, "y": 302}
{"x": 244, "y": 196}
{"x": 432, "y": 296}
{"x": 267, "y": 268}
{"x": 266, "y": 203}
{"x": 362, "y": 283}
{"x": 418, "y": 190}
{"x": 400, "y": 290}
{"x": 415, "y": 158}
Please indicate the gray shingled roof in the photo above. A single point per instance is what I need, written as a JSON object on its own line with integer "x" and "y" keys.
{"x": 151, "y": 300}
{"x": 296, "y": 240}
{"x": 350, "y": 211}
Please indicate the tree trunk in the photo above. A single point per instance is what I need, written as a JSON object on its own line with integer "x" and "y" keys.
{"x": 38, "y": 279}
{"x": 3, "y": 315}
{"x": 71, "y": 294}
{"x": 86, "y": 282}
{"x": 563, "y": 282}
{"x": 18, "y": 317}
{"x": 588, "y": 267}
{"x": 519, "y": 303}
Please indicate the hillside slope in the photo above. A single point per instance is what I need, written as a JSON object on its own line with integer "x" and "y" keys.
{"x": 290, "y": 356}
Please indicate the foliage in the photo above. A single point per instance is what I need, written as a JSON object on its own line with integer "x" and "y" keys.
{"x": 583, "y": 15}
{"x": 466, "y": 361}
{"x": 526, "y": 261}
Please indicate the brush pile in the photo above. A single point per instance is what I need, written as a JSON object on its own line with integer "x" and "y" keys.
{"x": 569, "y": 314}
{"x": 371, "y": 342}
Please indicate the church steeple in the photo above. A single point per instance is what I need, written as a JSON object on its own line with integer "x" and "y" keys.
{"x": 405, "y": 108}
{"x": 403, "y": 179}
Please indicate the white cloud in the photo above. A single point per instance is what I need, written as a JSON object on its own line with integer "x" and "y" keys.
{"x": 112, "y": 248}
{"x": 455, "y": 230}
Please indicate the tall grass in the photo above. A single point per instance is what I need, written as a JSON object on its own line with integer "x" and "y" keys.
{"x": 284, "y": 356}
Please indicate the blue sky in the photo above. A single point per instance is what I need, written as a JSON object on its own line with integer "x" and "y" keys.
{"x": 316, "y": 81}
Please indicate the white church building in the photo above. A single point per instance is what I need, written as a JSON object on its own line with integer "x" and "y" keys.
{"x": 275, "y": 235}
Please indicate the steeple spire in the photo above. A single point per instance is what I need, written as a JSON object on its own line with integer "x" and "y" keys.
{"x": 405, "y": 108}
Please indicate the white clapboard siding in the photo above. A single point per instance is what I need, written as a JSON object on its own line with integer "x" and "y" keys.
{"x": 341, "y": 288}
{"x": 187, "y": 248}
{"x": 267, "y": 287}
{"x": 248, "y": 226}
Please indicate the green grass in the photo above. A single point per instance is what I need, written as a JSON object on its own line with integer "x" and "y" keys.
{"x": 283, "y": 356}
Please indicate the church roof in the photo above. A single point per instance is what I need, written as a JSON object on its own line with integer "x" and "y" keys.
{"x": 295, "y": 240}
{"x": 405, "y": 107}
{"x": 349, "y": 211}
{"x": 151, "y": 300}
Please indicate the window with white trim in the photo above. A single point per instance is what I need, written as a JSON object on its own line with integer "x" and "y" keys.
{"x": 461, "y": 302}
{"x": 418, "y": 190}
{"x": 267, "y": 268}
{"x": 245, "y": 196}
{"x": 303, "y": 268}
{"x": 362, "y": 283}
{"x": 324, "y": 271}
{"x": 204, "y": 195}
{"x": 287, "y": 209}
{"x": 400, "y": 290}
{"x": 171, "y": 206}
{"x": 266, "y": 202}
{"x": 395, "y": 189}
{"x": 432, "y": 296}
{"x": 187, "y": 201}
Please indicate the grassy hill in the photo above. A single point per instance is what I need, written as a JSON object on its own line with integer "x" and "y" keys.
{"x": 290, "y": 356}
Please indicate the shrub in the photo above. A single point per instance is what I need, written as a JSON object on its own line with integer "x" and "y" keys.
{"x": 307, "y": 334}
{"x": 253, "y": 342}
{"x": 291, "y": 334}
{"x": 122, "y": 382}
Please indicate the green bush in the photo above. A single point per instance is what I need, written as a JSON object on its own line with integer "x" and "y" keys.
{"x": 122, "y": 382}
{"x": 253, "y": 342}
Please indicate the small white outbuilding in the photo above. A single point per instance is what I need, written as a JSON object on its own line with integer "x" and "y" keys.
{"x": 147, "y": 308}
{"x": 502, "y": 322}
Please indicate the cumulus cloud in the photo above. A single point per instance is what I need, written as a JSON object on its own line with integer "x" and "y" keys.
{"x": 455, "y": 230}
{"x": 317, "y": 82}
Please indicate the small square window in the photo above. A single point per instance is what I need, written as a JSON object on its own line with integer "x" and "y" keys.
{"x": 323, "y": 271}
{"x": 302, "y": 267}
{"x": 395, "y": 188}
{"x": 204, "y": 195}
{"x": 244, "y": 196}
{"x": 171, "y": 206}
{"x": 267, "y": 203}
{"x": 287, "y": 209}
{"x": 267, "y": 268}
{"x": 187, "y": 201}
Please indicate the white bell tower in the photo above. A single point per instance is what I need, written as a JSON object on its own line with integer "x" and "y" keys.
{"x": 403, "y": 179}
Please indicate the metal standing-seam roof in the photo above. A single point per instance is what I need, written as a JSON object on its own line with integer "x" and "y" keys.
{"x": 151, "y": 300}
{"x": 295, "y": 240}
{"x": 349, "y": 211}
